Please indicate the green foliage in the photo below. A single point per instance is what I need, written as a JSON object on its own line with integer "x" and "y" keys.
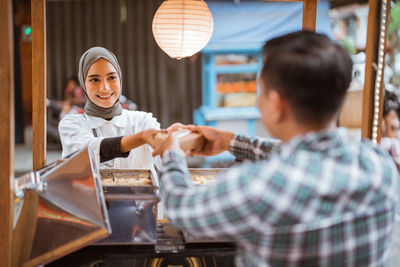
{"x": 394, "y": 25}
{"x": 349, "y": 46}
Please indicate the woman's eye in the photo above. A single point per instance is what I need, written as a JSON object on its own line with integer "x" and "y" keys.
{"x": 93, "y": 80}
{"x": 112, "y": 77}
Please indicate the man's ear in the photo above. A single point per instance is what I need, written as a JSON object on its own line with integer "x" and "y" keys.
{"x": 279, "y": 106}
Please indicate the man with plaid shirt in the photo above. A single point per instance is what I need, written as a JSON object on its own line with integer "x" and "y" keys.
{"x": 316, "y": 198}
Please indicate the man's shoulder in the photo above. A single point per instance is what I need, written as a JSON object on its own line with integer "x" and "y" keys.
{"x": 370, "y": 149}
{"x": 378, "y": 164}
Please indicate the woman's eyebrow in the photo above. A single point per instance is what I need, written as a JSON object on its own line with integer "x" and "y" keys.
{"x": 97, "y": 75}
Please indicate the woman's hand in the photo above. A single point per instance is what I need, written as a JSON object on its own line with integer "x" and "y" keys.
{"x": 148, "y": 136}
{"x": 129, "y": 142}
{"x": 171, "y": 143}
{"x": 217, "y": 141}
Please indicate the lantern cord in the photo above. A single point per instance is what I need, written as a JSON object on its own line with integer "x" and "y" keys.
{"x": 183, "y": 29}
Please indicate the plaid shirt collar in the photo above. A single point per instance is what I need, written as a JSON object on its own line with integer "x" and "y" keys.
{"x": 327, "y": 142}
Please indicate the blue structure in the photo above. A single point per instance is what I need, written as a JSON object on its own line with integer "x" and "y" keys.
{"x": 209, "y": 113}
{"x": 242, "y": 29}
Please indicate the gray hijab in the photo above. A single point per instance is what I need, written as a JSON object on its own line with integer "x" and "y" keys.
{"x": 87, "y": 59}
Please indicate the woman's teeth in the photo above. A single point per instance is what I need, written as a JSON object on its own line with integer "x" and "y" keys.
{"x": 105, "y": 97}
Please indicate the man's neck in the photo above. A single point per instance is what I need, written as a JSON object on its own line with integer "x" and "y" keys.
{"x": 297, "y": 129}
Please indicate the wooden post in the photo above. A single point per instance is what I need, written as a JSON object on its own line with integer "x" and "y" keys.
{"x": 24, "y": 232}
{"x": 309, "y": 14}
{"x": 370, "y": 70}
{"x": 6, "y": 130}
{"x": 382, "y": 85}
{"x": 371, "y": 55}
{"x": 39, "y": 82}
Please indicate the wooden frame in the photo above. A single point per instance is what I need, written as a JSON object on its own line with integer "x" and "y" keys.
{"x": 39, "y": 83}
{"x": 39, "y": 98}
{"x": 370, "y": 71}
{"x": 7, "y": 130}
{"x": 309, "y": 14}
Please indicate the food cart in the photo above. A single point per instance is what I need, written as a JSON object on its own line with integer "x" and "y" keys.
{"x": 37, "y": 201}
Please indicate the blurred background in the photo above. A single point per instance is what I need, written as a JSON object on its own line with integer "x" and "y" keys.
{"x": 215, "y": 87}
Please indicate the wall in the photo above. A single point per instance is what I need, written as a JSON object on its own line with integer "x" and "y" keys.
{"x": 168, "y": 88}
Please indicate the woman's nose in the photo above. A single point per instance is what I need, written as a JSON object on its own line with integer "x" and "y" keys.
{"x": 106, "y": 86}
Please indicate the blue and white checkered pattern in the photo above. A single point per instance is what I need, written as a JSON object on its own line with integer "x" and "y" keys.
{"x": 318, "y": 200}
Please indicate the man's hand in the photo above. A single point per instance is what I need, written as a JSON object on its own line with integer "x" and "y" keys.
{"x": 217, "y": 141}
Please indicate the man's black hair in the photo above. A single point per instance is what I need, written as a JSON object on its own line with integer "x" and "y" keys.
{"x": 309, "y": 70}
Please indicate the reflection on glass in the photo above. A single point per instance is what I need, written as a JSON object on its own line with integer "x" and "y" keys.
{"x": 391, "y": 106}
{"x": 390, "y": 124}
{"x": 349, "y": 27}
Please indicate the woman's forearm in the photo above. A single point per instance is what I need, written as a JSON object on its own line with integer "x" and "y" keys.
{"x": 110, "y": 148}
{"x": 114, "y": 147}
{"x": 132, "y": 141}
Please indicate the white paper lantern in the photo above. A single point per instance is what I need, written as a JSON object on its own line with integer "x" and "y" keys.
{"x": 182, "y": 27}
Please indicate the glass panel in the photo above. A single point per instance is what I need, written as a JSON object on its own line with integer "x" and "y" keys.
{"x": 350, "y": 29}
{"x": 237, "y": 90}
{"x": 390, "y": 138}
{"x": 65, "y": 202}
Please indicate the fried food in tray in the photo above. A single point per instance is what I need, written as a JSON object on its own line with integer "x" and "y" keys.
{"x": 203, "y": 179}
{"x": 125, "y": 178}
{"x": 204, "y": 176}
{"x": 128, "y": 181}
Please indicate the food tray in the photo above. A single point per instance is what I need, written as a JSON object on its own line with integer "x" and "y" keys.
{"x": 120, "y": 181}
{"x": 131, "y": 206}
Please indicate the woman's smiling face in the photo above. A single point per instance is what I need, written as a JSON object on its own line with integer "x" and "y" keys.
{"x": 102, "y": 83}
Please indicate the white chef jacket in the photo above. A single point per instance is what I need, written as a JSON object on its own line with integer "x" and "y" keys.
{"x": 76, "y": 132}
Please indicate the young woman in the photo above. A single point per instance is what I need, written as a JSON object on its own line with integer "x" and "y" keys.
{"x": 119, "y": 138}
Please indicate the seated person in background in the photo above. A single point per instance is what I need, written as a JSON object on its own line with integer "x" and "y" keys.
{"x": 74, "y": 99}
{"x": 110, "y": 131}
{"x": 314, "y": 199}
{"x": 390, "y": 127}
{"x": 73, "y": 93}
